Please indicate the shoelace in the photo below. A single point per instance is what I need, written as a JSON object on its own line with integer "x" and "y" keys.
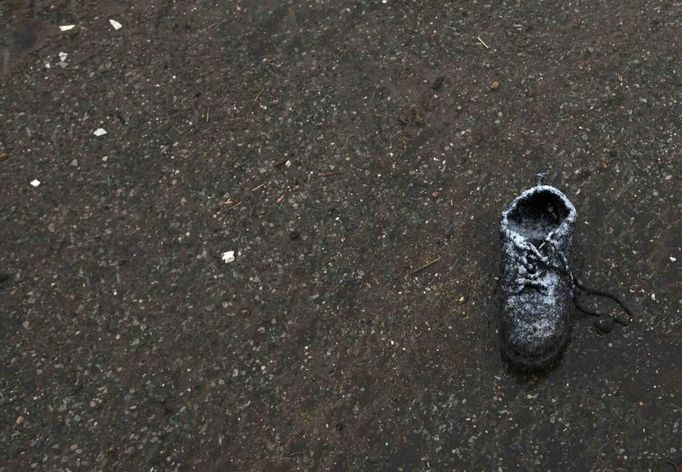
{"x": 535, "y": 263}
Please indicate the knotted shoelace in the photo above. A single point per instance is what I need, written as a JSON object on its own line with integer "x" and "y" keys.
{"x": 536, "y": 261}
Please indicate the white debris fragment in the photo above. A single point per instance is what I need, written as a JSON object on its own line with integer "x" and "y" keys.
{"x": 74, "y": 163}
{"x": 63, "y": 56}
{"x": 35, "y": 182}
{"x": 673, "y": 259}
{"x": 228, "y": 257}
{"x": 115, "y": 24}
{"x": 66, "y": 27}
{"x": 100, "y": 132}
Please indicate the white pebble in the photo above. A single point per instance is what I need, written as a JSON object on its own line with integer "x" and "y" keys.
{"x": 228, "y": 257}
{"x": 115, "y": 24}
{"x": 100, "y": 132}
{"x": 35, "y": 182}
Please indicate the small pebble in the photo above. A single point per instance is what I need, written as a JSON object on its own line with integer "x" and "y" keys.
{"x": 228, "y": 257}
{"x": 294, "y": 235}
{"x": 494, "y": 86}
{"x": 20, "y": 420}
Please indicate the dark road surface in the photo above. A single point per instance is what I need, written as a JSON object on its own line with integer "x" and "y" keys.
{"x": 336, "y": 146}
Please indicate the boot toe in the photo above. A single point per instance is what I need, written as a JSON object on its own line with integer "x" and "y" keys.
{"x": 534, "y": 341}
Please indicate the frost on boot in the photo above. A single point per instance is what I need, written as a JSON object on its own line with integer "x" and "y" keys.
{"x": 537, "y": 230}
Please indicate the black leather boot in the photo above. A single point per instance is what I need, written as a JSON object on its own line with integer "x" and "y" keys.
{"x": 537, "y": 284}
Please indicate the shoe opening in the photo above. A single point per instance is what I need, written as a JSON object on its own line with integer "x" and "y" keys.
{"x": 538, "y": 214}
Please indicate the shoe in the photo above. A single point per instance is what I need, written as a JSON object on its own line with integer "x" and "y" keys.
{"x": 537, "y": 283}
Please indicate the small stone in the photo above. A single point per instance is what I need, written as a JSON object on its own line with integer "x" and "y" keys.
{"x": 74, "y": 163}
{"x": 20, "y": 420}
{"x": 228, "y": 257}
{"x": 494, "y": 86}
{"x": 604, "y": 324}
{"x": 294, "y": 235}
{"x": 35, "y": 183}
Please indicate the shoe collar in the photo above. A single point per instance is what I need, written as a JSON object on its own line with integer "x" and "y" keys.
{"x": 558, "y": 233}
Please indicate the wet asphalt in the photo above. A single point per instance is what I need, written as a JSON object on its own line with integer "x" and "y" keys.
{"x": 355, "y": 157}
